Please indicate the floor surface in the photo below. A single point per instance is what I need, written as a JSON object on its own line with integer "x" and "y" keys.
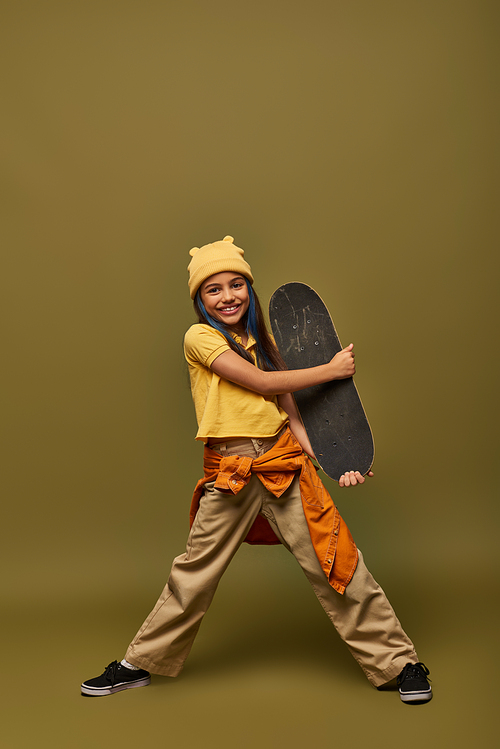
{"x": 266, "y": 670}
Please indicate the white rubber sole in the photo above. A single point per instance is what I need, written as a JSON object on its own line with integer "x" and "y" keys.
{"x": 416, "y": 696}
{"x": 102, "y": 691}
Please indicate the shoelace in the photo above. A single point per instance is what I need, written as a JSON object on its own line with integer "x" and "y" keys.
{"x": 413, "y": 671}
{"x": 110, "y": 672}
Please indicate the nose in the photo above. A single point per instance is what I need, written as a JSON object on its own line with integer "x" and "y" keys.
{"x": 227, "y": 294}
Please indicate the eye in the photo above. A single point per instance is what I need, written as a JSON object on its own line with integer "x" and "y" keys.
{"x": 237, "y": 284}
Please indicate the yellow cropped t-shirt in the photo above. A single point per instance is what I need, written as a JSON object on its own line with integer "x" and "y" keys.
{"x": 225, "y": 410}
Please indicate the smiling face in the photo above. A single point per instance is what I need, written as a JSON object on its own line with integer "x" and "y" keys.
{"x": 226, "y": 299}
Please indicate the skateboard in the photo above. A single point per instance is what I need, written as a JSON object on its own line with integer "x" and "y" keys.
{"x": 332, "y": 413}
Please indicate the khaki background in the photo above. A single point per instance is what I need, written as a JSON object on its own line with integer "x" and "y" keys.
{"x": 349, "y": 145}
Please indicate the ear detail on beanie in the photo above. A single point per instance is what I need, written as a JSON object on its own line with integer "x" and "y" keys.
{"x": 228, "y": 239}
{"x": 193, "y": 251}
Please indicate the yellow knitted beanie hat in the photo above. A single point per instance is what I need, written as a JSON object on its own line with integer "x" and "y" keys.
{"x": 217, "y": 257}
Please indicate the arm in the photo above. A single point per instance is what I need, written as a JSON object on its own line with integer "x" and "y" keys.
{"x": 236, "y": 369}
{"x": 287, "y": 403}
{"x": 232, "y": 367}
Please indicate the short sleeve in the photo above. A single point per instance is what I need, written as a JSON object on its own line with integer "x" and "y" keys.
{"x": 203, "y": 344}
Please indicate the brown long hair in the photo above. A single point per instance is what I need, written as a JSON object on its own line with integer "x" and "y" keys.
{"x": 268, "y": 356}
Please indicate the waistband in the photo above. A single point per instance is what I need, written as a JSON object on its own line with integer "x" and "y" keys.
{"x": 247, "y": 445}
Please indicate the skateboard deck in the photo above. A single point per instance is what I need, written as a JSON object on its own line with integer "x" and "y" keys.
{"x": 332, "y": 413}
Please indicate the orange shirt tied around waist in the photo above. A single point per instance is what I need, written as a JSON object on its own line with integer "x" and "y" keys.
{"x": 276, "y": 468}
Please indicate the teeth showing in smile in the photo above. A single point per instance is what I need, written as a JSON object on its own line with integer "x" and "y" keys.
{"x": 228, "y": 309}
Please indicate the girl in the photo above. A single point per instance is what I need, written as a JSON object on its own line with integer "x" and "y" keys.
{"x": 259, "y": 485}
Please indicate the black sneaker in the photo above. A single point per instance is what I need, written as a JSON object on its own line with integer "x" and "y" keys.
{"x": 115, "y": 678}
{"x": 413, "y": 683}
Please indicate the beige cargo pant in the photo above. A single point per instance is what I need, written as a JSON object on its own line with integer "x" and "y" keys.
{"x": 362, "y": 616}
